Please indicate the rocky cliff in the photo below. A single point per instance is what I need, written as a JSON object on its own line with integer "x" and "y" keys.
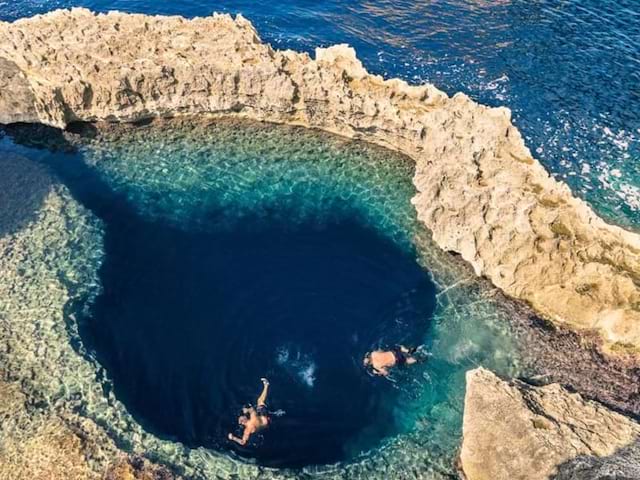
{"x": 478, "y": 188}
{"x": 513, "y": 431}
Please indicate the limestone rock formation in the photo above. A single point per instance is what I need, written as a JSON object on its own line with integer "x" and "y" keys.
{"x": 513, "y": 431}
{"x": 16, "y": 97}
{"x": 479, "y": 190}
{"x": 35, "y": 444}
{"x": 624, "y": 464}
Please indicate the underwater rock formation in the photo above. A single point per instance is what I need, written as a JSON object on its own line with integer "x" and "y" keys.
{"x": 480, "y": 191}
{"x": 36, "y": 445}
{"x": 513, "y": 431}
{"x": 42, "y": 436}
{"x": 23, "y": 185}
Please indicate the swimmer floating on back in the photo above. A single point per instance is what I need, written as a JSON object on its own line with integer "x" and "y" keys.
{"x": 381, "y": 361}
{"x": 254, "y": 419}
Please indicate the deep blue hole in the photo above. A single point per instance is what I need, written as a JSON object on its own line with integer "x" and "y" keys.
{"x": 189, "y": 319}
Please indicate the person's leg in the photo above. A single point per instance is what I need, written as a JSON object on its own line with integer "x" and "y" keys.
{"x": 262, "y": 399}
{"x": 408, "y": 350}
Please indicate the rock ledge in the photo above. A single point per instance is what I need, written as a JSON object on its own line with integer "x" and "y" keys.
{"x": 479, "y": 190}
{"x": 514, "y": 431}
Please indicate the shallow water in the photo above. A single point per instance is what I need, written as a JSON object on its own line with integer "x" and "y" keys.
{"x": 231, "y": 251}
{"x": 288, "y": 262}
{"x": 569, "y": 70}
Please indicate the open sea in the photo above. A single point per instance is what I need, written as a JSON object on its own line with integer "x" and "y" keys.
{"x": 569, "y": 70}
{"x": 228, "y": 252}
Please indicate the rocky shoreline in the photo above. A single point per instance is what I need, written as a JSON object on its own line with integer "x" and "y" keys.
{"x": 515, "y": 431}
{"x": 479, "y": 191}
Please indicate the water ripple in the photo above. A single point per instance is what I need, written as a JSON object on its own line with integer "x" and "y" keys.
{"x": 569, "y": 70}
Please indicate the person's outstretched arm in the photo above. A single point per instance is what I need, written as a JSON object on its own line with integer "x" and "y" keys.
{"x": 381, "y": 371}
{"x": 262, "y": 399}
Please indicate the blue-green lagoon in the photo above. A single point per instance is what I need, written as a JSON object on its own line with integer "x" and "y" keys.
{"x": 200, "y": 255}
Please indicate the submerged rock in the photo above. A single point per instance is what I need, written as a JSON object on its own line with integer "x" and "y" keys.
{"x": 512, "y": 430}
{"x": 480, "y": 191}
{"x": 43, "y": 435}
{"x": 23, "y": 185}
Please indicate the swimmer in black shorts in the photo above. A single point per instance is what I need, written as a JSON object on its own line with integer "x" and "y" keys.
{"x": 381, "y": 361}
{"x": 254, "y": 419}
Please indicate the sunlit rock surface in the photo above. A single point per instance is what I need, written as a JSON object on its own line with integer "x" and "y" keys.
{"x": 515, "y": 431}
{"x": 479, "y": 190}
{"x": 51, "y": 258}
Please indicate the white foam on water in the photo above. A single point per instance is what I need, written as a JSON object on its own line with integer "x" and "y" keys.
{"x": 282, "y": 355}
{"x": 308, "y": 374}
{"x": 297, "y": 364}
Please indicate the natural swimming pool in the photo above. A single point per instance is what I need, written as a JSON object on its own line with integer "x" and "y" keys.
{"x": 233, "y": 250}
{"x": 562, "y": 68}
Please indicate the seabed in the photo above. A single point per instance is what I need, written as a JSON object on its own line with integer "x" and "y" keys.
{"x": 174, "y": 171}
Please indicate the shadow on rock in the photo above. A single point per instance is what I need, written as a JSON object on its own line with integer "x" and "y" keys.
{"x": 624, "y": 464}
{"x": 43, "y": 137}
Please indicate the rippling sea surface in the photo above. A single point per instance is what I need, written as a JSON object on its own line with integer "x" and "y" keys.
{"x": 569, "y": 70}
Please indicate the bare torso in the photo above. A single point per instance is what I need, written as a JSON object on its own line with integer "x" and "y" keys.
{"x": 381, "y": 361}
{"x": 259, "y": 421}
{"x": 254, "y": 419}
{"x": 255, "y": 423}
{"x": 252, "y": 423}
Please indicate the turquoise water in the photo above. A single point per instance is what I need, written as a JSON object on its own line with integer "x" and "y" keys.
{"x": 232, "y": 251}
{"x": 227, "y": 260}
{"x": 569, "y": 70}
